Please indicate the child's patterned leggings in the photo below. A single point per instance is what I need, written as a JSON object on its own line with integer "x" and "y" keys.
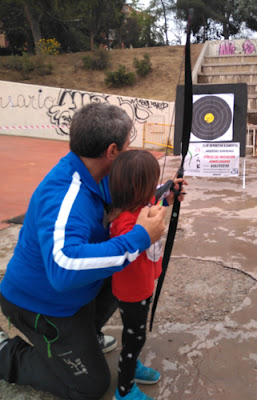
{"x": 134, "y": 318}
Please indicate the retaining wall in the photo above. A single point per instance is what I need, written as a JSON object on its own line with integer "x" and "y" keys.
{"x": 46, "y": 112}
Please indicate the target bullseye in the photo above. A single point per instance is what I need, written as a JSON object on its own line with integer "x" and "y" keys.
{"x": 209, "y": 118}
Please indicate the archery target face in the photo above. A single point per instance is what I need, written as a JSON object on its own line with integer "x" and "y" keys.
{"x": 212, "y": 118}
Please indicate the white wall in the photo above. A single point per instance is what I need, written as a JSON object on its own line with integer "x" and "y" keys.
{"x": 46, "y": 112}
{"x": 232, "y": 47}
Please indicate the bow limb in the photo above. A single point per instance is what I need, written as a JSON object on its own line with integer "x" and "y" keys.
{"x": 187, "y": 122}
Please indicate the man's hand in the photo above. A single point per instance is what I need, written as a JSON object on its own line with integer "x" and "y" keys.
{"x": 154, "y": 225}
{"x": 176, "y": 181}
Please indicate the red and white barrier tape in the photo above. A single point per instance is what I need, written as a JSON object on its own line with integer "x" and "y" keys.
{"x": 33, "y": 127}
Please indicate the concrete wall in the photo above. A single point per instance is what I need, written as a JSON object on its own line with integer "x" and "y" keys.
{"x": 46, "y": 112}
{"x": 232, "y": 47}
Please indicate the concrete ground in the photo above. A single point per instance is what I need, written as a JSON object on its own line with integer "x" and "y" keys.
{"x": 204, "y": 339}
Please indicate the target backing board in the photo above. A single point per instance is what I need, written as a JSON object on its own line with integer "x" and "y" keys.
{"x": 219, "y": 114}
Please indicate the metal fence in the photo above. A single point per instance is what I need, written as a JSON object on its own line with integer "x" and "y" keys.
{"x": 251, "y": 138}
{"x": 158, "y": 134}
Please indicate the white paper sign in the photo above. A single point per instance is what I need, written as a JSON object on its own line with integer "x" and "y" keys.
{"x": 212, "y": 159}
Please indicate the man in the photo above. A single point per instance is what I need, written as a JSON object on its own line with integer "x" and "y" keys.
{"x": 56, "y": 289}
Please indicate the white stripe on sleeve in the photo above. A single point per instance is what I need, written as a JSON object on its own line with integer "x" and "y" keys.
{"x": 59, "y": 237}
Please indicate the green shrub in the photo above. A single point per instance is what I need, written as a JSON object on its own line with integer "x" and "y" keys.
{"x": 98, "y": 61}
{"x": 42, "y": 67}
{"x": 11, "y": 62}
{"x": 26, "y": 65}
{"x": 119, "y": 78}
{"x": 23, "y": 64}
{"x": 144, "y": 66}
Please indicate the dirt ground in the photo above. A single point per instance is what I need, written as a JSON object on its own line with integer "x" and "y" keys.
{"x": 160, "y": 84}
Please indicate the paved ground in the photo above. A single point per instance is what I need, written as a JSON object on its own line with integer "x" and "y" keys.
{"x": 204, "y": 340}
{"x": 24, "y": 163}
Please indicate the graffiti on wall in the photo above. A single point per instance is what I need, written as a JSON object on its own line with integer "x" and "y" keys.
{"x": 58, "y": 110}
{"x": 69, "y": 101}
{"x": 230, "y": 47}
{"x": 35, "y": 102}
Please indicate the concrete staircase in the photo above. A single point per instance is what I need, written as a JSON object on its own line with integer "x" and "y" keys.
{"x": 233, "y": 69}
{"x": 215, "y": 68}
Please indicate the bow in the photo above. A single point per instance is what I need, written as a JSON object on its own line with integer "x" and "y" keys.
{"x": 187, "y": 123}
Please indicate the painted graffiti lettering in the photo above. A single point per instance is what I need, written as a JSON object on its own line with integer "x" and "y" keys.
{"x": 145, "y": 103}
{"x": 232, "y": 47}
{"x": 69, "y": 101}
{"x": 248, "y": 47}
{"x": 156, "y": 104}
{"x": 227, "y": 48}
{"x": 29, "y": 101}
{"x": 159, "y": 105}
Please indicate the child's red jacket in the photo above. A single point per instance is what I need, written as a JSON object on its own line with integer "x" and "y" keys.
{"x": 136, "y": 281}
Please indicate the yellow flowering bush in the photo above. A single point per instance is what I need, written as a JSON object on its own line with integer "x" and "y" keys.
{"x": 48, "y": 46}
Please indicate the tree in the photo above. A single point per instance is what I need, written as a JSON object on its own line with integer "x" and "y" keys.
{"x": 129, "y": 32}
{"x": 92, "y": 18}
{"x": 248, "y": 11}
{"x": 14, "y": 25}
{"x": 224, "y": 12}
{"x": 96, "y": 17}
{"x": 34, "y": 11}
{"x": 162, "y": 9}
{"x": 201, "y": 14}
{"x": 140, "y": 28}
{"x": 227, "y": 14}
{"x": 28, "y": 13}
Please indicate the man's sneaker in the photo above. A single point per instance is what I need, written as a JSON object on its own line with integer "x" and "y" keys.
{"x": 134, "y": 394}
{"x": 3, "y": 338}
{"x": 147, "y": 376}
{"x": 107, "y": 343}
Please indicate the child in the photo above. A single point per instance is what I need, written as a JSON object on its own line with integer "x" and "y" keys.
{"x": 133, "y": 181}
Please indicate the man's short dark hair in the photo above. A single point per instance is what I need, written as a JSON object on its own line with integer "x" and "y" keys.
{"x": 95, "y": 126}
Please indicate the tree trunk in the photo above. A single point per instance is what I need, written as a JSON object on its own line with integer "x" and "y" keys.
{"x": 165, "y": 23}
{"x": 34, "y": 24}
{"x": 225, "y": 31}
{"x": 92, "y": 37}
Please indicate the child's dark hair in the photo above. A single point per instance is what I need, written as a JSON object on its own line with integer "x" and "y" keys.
{"x": 133, "y": 179}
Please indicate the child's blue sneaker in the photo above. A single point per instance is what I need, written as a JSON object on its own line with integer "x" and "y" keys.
{"x": 134, "y": 394}
{"x": 147, "y": 376}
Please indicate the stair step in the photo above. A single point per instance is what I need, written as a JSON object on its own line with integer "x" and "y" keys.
{"x": 232, "y": 67}
{"x": 251, "y": 102}
{"x": 248, "y": 78}
{"x": 231, "y": 58}
{"x": 224, "y": 73}
{"x": 252, "y": 89}
{"x": 228, "y": 63}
